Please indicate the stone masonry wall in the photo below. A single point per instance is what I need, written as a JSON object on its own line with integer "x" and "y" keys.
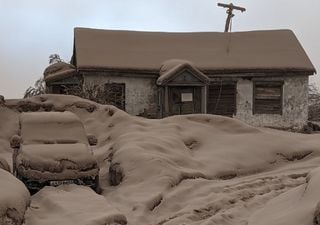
{"x": 141, "y": 99}
{"x": 140, "y": 93}
{"x": 295, "y": 103}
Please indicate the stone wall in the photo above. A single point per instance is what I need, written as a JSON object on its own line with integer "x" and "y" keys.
{"x": 295, "y": 103}
{"x": 141, "y": 98}
{"x": 140, "y": 92}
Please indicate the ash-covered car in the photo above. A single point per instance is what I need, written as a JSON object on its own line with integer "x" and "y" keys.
{"x": 52, "y": 148}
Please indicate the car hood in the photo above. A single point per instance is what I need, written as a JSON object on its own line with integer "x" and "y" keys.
{"x": 55, "y": 158}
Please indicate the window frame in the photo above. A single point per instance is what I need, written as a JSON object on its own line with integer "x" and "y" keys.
{"x": 277, "y": 83}
{"x": 123, "y": 86}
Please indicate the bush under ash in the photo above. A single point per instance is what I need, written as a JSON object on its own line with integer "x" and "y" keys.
{"x": 314, "y": 103}
{"x": 2, "y": 100}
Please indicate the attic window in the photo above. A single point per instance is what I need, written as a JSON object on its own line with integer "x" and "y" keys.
{"x": 267, "y": 97}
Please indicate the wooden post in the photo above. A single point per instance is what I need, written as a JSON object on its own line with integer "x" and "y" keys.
{"x": 230, "y": 7}
{"x": 166, "y": 101}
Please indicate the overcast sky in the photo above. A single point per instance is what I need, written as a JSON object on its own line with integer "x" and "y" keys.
{"x": 31, "y": 30}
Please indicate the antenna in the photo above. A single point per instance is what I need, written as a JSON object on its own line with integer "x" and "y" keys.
{"x": 230, "y": 7}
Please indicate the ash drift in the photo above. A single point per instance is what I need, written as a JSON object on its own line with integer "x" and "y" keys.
{"x": 192, "y": 169}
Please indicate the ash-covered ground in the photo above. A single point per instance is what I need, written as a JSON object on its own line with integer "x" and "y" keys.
{"x": 191, "y": 169}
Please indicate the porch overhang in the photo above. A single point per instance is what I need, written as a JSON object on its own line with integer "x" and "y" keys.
{"x": 181, "y": 72}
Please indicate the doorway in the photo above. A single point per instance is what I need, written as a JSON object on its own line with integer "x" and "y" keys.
{"x": 184, "y": 100}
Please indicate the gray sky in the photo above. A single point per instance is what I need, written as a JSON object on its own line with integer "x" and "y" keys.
{"x": 31, "y": 30}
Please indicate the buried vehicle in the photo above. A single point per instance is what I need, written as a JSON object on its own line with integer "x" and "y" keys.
{"x": 53, "y": 149}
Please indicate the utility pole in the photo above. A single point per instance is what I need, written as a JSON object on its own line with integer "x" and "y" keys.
{"x": 230, "y": 7}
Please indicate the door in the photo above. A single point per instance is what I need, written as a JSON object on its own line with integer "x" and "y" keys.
{"x": 184, "y": 100}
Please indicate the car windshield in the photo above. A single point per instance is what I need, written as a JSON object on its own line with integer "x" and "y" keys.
{"x": 52, "y": 131}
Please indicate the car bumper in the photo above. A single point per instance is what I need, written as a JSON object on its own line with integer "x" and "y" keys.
{"x": 35, "y": 186}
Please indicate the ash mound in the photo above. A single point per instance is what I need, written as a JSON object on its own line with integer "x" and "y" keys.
{"x": 190, "y": 169}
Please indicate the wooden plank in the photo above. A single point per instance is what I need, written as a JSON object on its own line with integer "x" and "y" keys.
{"x": 269, "y": 83}
{"x": 177, "y": 106}
{"x": 268, "y": 93}
{"x": 267, "y": 97}
{"x": 222, "y": 99}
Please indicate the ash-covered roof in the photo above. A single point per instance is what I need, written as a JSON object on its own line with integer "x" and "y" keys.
{"x": 208, "y": 51}
{"x": 59, "y": 70}
{"x": 170, "y": 68}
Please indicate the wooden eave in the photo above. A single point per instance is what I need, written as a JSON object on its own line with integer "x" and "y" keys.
{"x": 209, "y": 73}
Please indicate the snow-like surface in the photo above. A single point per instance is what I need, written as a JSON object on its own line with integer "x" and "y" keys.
{"x": 192, "y": 169}
{"x": 71, "y": 205}
{"x": 56, "y": 161}
{"x": 172, "y": 63}
{"x": 57, "y": 67}
{"x": 54, "y": 146}
{"x": 4, "y": 165}
{"x": 261, "y": 50}
{"x": 294, "y": 207}
{"x": 14, "y": 198}
{"x": 170, "y": 68}
{"x": 9, "y": 125}
{"x": 51, "y": 127}
{"x": 167, "y": 161}
{"x": 59, "y": 70}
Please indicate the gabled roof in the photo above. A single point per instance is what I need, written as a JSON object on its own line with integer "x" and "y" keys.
{"x": 272, "y": 50}
{"x": 172, "y": 68}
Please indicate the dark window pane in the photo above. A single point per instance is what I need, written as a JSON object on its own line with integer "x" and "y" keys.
{"x": 115, "y": 94}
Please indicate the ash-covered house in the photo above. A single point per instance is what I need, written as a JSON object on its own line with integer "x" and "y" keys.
{"x": 260, "y": 77}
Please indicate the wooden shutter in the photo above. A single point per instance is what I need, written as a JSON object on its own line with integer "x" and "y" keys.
{"x": 222, "y": 98}
{"x": 267, "y": 98}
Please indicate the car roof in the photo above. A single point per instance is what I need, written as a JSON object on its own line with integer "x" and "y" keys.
{"x": 51, "y": 127}
{"x": 48, "y": 117}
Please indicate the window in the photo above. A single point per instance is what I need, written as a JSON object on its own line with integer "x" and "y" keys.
{"x": 57, "y": 89}
{"x": 222, "y": 98}
{"x": 115, "y": 94}
{"x": 267, "y": 97}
